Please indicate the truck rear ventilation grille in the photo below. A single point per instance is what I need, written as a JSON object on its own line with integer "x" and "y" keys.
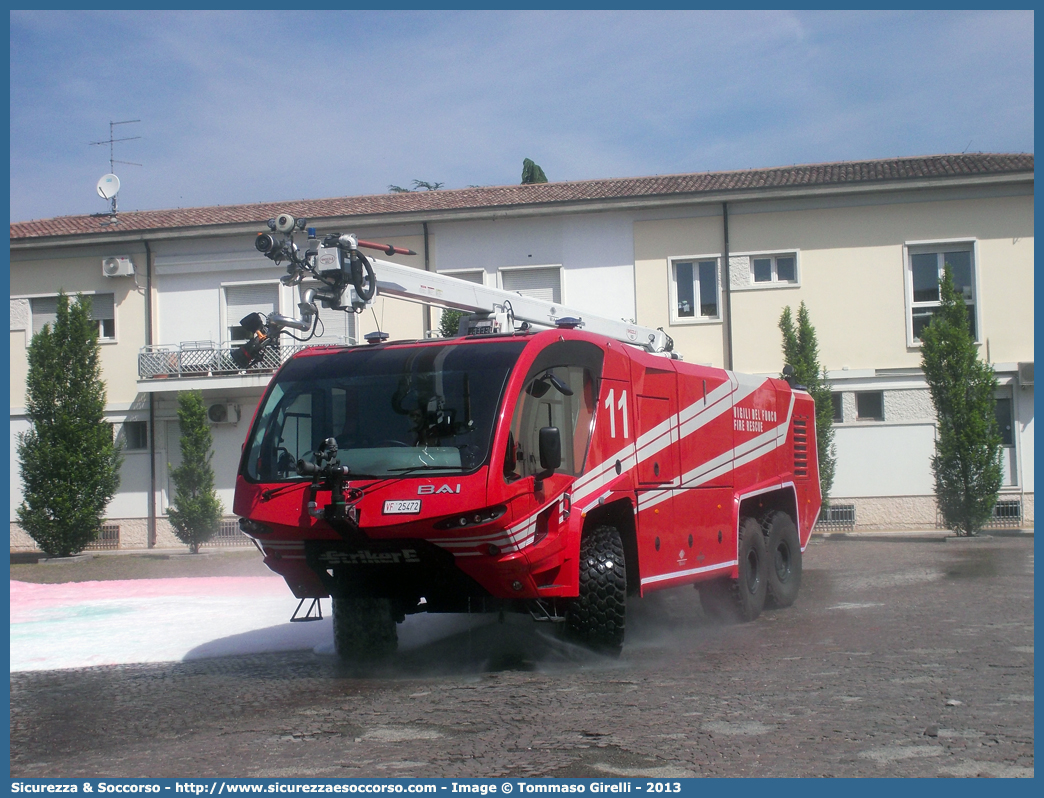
{"x": 800, "y": 447}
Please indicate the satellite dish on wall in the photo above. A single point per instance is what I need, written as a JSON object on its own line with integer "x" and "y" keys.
{"x": 108, "y": 186}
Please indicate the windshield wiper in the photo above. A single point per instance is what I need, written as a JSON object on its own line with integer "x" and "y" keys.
{"x": 410, "y": 469}
{"x": 271, "y": 493}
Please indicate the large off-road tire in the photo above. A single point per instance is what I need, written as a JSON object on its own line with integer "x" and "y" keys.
{"x": 742, "y": 599}
{"x": 784, "y": 559}
{"x": 364, "y": 629}
{"x": 596, "y": 617}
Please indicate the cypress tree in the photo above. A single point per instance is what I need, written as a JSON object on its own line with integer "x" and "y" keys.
{"x": 450, "y": 322}
{"x": 70, "y": 464}
{"x": 966, "y": 464}
{"x": 801, "y": 352}
{"x": 196, "y": 510}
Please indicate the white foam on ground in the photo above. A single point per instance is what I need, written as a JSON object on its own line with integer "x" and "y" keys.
{"x": 84, "y": 624}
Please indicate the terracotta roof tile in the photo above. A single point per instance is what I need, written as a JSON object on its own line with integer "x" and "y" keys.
{"x": 811, "y": 175}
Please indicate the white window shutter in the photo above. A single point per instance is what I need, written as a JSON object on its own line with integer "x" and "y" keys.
{"x": 45, "y": 311}
{"x": 335, "y": 327}
{"x": 539, "y": 283}
{"x": 245, "y": 299}
{"x": 475, "y": 276}
{"x": 102, "y": 307}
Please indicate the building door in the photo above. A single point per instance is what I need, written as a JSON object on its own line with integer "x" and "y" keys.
{"x": 1006, "y": 426}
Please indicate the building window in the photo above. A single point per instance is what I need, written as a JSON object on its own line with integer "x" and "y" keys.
{"x": 242, "y": 300}
{"x": 103, "y": 311}
{"x": 540, "y": 282}
{"x": 1005, "y": 424}
{"x": 838, "y": 407}
{"x": 870, "y": 406}
{"x": 135, "y": 435}
{"x": 477, "y": 276}
{"x": 695, "y": 289}
{"x": 334, "y": 327}
{"x": 925, "y": 268}
{"x": 769, "y": 269}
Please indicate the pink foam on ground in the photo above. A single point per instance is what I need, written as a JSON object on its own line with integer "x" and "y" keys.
{"x": 28, "y": 597}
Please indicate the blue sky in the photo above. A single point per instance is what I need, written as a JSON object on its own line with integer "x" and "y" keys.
{"x": 248, "y": 106}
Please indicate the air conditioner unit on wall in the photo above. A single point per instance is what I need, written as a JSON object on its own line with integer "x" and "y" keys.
{"x": 117, "y": 266}
{"x": 223, "y": 413}
{"x": 1026, "y": 373}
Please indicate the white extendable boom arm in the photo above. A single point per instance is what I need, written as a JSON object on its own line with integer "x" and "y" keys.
{"x": 341, "y": 277}
{"x": 442, "y": 290}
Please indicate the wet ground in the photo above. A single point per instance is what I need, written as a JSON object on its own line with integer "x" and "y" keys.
{"x": 900, "y": 658}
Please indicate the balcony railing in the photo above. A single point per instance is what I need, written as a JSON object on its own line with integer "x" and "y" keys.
{"x": 208, "y": 359}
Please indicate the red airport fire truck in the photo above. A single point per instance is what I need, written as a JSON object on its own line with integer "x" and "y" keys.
{"x": 542, "y": 461}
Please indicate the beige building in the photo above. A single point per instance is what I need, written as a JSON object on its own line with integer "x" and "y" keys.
{"x": 712, "y": 258}
{"x": 119, "y": 306}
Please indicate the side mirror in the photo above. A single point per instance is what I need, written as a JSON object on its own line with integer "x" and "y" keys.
{"x": 550, "y": 446}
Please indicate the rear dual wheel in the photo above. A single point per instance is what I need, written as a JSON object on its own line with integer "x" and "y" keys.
{"x": 741, "y": 599}
{"x": 784, "y": 558}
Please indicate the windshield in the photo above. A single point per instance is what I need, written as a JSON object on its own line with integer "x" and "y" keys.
{"x": 392, "y": 411}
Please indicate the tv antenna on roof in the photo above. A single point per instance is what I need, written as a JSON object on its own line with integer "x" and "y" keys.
{"x": 109, "y": 185}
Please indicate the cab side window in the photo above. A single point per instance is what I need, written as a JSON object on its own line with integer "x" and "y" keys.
{"x": 561, "y": 396}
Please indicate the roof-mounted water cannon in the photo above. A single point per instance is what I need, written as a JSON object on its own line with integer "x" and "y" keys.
{"x": 345, "y": 277}
{"x": 336, "y": 259}
{"x": 283, "y": 248}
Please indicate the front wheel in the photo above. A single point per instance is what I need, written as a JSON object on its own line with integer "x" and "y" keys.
{"x": 596, "y": 616}
{"x": 364, "y": 629}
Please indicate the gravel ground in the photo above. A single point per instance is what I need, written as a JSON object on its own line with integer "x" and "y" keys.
{"x": 900, "y": 658}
